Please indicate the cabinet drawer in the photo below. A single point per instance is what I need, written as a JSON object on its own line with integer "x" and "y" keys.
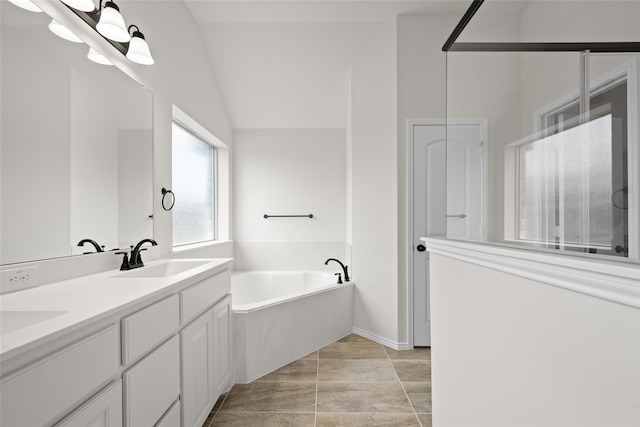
{"x": 152, "y": 385}
{"x": 148, "y": 327}
{"x": 172, "y": 417}
{"x": 202, "y": 295}
{"x": 54, "y": 385}
{"x": 104, "y": 410}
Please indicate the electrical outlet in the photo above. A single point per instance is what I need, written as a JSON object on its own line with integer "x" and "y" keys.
{"x": 19, "y": 278}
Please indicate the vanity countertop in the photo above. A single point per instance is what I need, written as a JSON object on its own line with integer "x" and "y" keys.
{"x": 57, "y": 309}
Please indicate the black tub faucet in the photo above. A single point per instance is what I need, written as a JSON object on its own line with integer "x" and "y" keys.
{"x": 93, "y": 242}
{"x": 345, "y": 268}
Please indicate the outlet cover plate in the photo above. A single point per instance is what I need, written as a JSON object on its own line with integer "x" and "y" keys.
{"x": 18, "y": 279}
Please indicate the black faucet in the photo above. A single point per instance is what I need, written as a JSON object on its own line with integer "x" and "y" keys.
{"x": 345, "y": 268}
{"x": 93, "y": 242}
{"x": 135, "y": 260}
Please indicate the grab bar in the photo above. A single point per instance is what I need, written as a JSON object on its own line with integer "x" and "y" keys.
{"x": 457, "y": 216}
{"x": 288, "y": 216}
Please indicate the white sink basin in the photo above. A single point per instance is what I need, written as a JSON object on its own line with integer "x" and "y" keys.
{"x": 12, "y": 320}
{"x": 165, "y": 269}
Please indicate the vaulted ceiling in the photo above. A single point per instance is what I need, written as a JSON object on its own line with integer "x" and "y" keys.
{"x": 285, "y": 64}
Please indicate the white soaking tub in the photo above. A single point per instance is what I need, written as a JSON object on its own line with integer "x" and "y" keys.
{"x": 280, "y": 316}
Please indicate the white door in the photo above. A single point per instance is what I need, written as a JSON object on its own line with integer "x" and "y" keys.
{"x": 465, "y": 182}
{"x": 458, "y": 216}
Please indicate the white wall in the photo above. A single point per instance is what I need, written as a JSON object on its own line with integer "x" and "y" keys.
{"x": 374, "y": 186}
{"x": 421, "y": 94}
{"x": 289, "y": 172}
{"x": 509, "y": 351}
{"x": 182, "y": 76}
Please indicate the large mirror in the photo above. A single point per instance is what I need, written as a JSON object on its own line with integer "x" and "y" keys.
{"x": 76, "y": 146}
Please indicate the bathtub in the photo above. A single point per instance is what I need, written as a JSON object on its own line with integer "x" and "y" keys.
{"x": 280, "y": 316}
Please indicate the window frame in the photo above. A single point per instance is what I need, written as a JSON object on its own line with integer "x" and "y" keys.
{"x": 628, "y": 73}
{"x": 220, "y": 188}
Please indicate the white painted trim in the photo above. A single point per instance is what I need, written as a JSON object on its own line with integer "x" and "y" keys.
{"x": 611, "y": 280}
{"x": 223, "y": 172}
{"x": 380, "y": 340}
{"x": 411, "y": 123}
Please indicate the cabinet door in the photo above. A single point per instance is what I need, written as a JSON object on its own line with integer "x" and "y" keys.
{"x": 152, "y": 385}
{"x": 104, "y": 410}
{"x": 197, "y": 370}
{"x": 222, "y": 346}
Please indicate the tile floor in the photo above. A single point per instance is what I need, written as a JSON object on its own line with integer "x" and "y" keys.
{"x": 351, "y": 382}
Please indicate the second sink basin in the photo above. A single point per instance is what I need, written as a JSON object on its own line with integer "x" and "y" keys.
{"x": 163, "y": 269}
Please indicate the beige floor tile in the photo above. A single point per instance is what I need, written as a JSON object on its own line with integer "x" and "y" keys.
{"x": 300, "y": 370}
{"x": 357, "y": 385}
{"x": 257, "y": 419}
{"x": 356, "y": 370}
{"x": 423, "y": 353}
{"x": 366, "y": 420}
{"x": 354, "y": 338}
{"x": 413, "y": 370}
{"x": 353, "y": 350}
{"x": 419, "y": 395}
{"x": 362, "y": 397}
{"x": 425, "y": 420}
{"x": 311, "y": 356}
{"x": 271, "y": 397}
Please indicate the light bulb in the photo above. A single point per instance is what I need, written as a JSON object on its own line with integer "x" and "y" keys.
{"x": 139, "y": 49}
{"x": 27, "y": 5}
{"x": 97, "y": 57}
{"x": 111, "y": 24}
{"x": 61, "y": 31}
{"x": 83, "y": 5}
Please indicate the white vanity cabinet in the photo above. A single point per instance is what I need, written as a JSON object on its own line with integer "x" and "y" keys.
{"x": 222, "y": 347}
{"x": 152, "y": 385}
{"x": 205, "y": 344}
{"x": 103, "y": 410}
{"x": 160, "y": 361}
{"x": 196, "y": 342}
{"x": 48, "y": 389}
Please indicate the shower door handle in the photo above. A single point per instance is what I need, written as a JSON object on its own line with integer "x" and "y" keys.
{"x": 461, "y": 216}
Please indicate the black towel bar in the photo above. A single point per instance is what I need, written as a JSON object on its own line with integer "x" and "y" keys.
{"x": 288, "y": 216}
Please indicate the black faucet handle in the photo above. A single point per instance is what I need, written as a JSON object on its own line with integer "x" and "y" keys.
{"x": 125, "y": 260}
{"x": 339, "y": 277}
{"x": 138, "y": 257}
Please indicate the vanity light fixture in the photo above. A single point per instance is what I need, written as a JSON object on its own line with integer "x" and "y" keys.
{"x": 26, "y": 5}
{"x": 111, "y": 24}
{"x": 138, "y": 51}
{"x": 61, "y": 31}
{"x": 83, "y": 5}
{"x": 97, "y": 57}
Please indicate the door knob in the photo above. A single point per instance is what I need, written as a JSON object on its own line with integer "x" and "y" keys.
{"x": 421, "y": 248}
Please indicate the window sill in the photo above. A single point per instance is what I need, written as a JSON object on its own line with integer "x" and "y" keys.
{"x": 214, "y": 243}
{"x": 616, "y": 281}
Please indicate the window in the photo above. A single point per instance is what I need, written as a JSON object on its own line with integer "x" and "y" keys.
{"x": 572, "y": 183}
{"x": 194, "y": 184}
{"x": 565, "y": 188}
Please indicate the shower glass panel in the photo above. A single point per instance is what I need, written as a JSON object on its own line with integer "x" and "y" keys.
{"x": 510, "y": 90}
{"x": 558, "y": 168}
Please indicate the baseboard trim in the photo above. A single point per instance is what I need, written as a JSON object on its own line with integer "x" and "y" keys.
{"x": 381, "y": 340}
